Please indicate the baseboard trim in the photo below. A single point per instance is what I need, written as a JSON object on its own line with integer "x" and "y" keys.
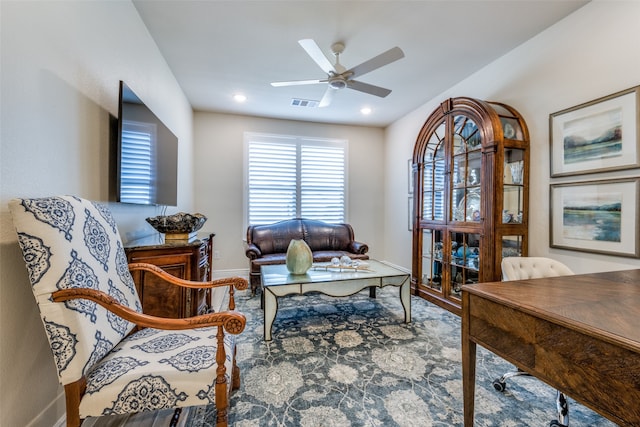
{"x": 219, "y": 274}
{"x": 218, "y": 295}
{"x": 396, "y": 266}
{"x": 52, "y": 410}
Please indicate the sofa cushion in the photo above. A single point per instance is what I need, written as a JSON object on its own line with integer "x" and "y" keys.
{"x": 156, "y": 369}
{"x": 275, "y": 238}
{"x": 321, "y": 236}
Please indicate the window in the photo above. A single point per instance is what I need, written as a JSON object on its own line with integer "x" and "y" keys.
{"x": 138, "y": 163}
{"x": 295, "y": 177}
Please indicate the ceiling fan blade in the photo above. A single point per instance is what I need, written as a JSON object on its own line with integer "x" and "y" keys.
{"x": 298, "y": 83}
{"x": 367, "y": 88}
{"x": 384, "y": 58}
{"x": 312, "y": 49}
{"x": 328, "y": 96}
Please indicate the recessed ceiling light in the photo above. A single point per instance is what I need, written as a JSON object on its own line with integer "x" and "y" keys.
{"x": 239, "y": 97}
{"x": 365, "y": 110}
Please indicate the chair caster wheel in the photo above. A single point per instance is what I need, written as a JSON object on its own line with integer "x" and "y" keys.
{"x": 499, "y": 385}
{"x": 555, "y": 423}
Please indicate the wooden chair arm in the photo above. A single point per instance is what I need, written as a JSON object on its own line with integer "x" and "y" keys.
{"x": 238, "y": 282}
{"x": 232, "y": 321}
{"x": 233, "y": 282}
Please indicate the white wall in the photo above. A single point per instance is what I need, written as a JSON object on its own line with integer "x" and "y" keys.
{"x": 590, "y": 54}
{"x": 61, "y": 64}
{"x": 219, "y": 142}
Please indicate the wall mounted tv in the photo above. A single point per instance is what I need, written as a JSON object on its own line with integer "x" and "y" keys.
{"x": 147, "y": 155}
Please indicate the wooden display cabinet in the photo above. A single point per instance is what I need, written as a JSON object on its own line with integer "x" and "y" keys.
{"x": 190, "y": 260}
{"x": 471, "y": 181}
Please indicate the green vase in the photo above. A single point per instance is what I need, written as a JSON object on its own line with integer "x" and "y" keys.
{"x": 299, "y": 257}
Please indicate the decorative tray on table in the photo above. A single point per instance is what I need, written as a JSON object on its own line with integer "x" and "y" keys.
{"x": 353, "y": 266}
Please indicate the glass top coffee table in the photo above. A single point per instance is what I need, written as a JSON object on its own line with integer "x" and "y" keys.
{"x": 278, "y": 282}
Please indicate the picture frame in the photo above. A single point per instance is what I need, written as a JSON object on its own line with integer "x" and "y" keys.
{"x": 596, "y": 216}
{"x": 410, "y": 176}
{"x": 597, "y": 136}
{"x": 410, "y": 212}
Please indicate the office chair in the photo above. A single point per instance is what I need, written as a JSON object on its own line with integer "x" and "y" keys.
{"x": 523, "y": 268}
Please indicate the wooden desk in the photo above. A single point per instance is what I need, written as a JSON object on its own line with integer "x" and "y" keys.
{"x": 579, "y": 334}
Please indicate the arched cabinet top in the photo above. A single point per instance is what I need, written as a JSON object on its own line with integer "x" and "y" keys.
{"x": 496, "y": 121}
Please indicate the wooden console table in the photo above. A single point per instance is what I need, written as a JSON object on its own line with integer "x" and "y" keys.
{"x": 579, "y": 334}
{"x": 190, "y": 260}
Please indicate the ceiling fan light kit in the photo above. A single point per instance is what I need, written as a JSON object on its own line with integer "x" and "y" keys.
{"x": 337, "y": 82}
{"x": 338, "y": 77}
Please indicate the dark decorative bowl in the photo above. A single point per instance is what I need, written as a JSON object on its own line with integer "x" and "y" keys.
{"x": 180, "y": 223}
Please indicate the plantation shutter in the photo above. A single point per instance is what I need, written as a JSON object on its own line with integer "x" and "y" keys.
{"x": 272, "y": 182}
{"x": 295, "y": 178}
{"x": 138, "y": 163}
{"x": 322, "y": 183}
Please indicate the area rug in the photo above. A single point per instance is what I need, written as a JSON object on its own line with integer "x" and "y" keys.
{"x": 353, "y": 362}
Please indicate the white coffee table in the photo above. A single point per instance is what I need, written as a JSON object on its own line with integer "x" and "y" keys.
{"x": 278, "y": 282}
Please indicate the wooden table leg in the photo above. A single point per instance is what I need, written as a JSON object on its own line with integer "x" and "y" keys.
{"x": 468, "y": 364}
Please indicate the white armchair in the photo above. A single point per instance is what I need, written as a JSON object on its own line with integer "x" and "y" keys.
{"x": 523, "y": 268}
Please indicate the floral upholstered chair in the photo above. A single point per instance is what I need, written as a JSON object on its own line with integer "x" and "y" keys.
{"x": 110, "y": 357}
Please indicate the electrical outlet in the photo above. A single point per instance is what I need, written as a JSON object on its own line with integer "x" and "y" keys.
{"x": 216, "y": 254}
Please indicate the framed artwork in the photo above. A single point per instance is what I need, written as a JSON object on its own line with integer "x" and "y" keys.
{"x": 598, "y": 136}
{"x": 596, "y": 216}
{"x": 410, "y": 210}
{"x": 410, "y": 176}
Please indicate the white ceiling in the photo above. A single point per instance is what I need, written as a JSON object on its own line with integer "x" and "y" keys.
{"x": 219, "y": 48}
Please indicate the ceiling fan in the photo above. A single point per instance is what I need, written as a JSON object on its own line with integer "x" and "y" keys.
{"x": 338, "y": 77}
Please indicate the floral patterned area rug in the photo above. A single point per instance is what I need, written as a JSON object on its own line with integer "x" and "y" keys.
{"x": 353, "y": 362}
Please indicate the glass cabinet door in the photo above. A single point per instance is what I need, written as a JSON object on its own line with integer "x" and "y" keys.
{"x": 449, "y": 260}
{"x": 466, "y": 171}
{"x": 513, "y": 188}
{"x": 432, "y": 259}
{"x": 512, "y": 246}
{"x": 434, "y": 178}
{"x": 465, "y": 260}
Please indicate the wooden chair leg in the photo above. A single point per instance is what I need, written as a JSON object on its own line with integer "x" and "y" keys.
{"x": 221, "y": 398}
{"x": 235, "y": 373}
{"x": 72, "y": 393}
{"x": 175, "y": 418}
{"x": 235, "y": 377}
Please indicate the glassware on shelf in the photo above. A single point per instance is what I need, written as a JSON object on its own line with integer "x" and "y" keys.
{"x": 474, "y": 177}
{"x": 516, "y": 172}
{"x": 469, "y": 207}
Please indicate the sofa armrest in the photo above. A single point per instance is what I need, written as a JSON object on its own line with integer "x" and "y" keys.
{"x": 253, "y": 252}
{"x": 358, "y": 247}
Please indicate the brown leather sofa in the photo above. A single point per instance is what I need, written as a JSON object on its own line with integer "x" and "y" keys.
{"x": 268, "y": 244}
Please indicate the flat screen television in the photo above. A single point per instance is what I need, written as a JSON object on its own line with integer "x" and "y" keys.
{"x": 146, "y": 155}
